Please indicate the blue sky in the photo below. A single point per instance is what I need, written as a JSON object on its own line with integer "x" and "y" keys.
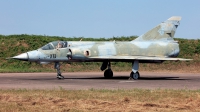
{"x": 96, "y": 18}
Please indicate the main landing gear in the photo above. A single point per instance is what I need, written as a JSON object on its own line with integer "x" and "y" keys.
{"x": 107, "y": 73}
{"x": 57, "y": 67}
{"x": 135, "y": 74}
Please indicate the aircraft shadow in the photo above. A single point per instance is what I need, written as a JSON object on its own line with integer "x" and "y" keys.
{"x": 161, "y": 78}
{"x": 127, "y": 78}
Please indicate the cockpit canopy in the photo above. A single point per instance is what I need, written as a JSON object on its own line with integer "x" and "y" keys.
{"x": 54, "y": 45}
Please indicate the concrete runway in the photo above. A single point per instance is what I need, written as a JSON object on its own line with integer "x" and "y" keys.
{"x": 88, "y": 80}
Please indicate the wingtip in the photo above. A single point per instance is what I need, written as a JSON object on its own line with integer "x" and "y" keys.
{"x": 186, "y": 60}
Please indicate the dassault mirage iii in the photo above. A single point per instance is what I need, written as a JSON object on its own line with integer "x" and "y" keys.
{"x": 155, "y": 46}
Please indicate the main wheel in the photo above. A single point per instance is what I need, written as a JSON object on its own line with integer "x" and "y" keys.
{"x": 135, "y": 76}
{"x": 108, "y": 74}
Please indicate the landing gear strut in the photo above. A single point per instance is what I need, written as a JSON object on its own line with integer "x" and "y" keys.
{"x": 135, "y": 74}
{"x": 107, "y": 73}
{"x": 57, "y": 67}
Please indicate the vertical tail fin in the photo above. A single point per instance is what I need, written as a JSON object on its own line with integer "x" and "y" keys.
{"x": 164, "y": 31}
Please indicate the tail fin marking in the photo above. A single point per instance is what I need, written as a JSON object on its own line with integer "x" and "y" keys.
{"x": 163, "y": 31}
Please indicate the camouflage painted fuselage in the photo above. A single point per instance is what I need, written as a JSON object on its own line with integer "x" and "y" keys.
{"x": 133, "y": 48}
{"x": 84, "y": 51}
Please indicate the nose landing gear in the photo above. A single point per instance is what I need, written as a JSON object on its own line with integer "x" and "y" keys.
{"x": 57, "y": 67}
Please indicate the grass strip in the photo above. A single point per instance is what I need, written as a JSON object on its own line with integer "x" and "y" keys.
{"x": 138, "y": 100}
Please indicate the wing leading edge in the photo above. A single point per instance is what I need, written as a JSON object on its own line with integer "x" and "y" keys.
{"x": 138, "y": 58}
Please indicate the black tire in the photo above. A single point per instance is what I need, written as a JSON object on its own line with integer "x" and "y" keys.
{"x": 135, "y": 76}
{"x": 60, "y": 76}
{"x": 108, "y": 74}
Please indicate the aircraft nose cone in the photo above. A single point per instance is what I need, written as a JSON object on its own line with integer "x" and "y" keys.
{"x": 23, "y": 56}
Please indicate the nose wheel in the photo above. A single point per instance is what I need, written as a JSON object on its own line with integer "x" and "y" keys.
{"x": 59, "y": 76}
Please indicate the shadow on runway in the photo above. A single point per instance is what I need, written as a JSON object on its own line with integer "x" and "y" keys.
{"x": 102, "y": 78}
{"x": 114, "y": 78}
{"x": 127, "y": 78}
{"x": 161, "y": 78}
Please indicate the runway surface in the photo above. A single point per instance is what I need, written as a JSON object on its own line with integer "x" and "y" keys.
{"x": 88, "y": 80}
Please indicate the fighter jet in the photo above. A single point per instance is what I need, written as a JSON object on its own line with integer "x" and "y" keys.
{"x": 155, "y": 46}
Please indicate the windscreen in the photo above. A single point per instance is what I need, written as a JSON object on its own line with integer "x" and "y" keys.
{"x": 47, "y": 47}
{"x": 54, "y": 45}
